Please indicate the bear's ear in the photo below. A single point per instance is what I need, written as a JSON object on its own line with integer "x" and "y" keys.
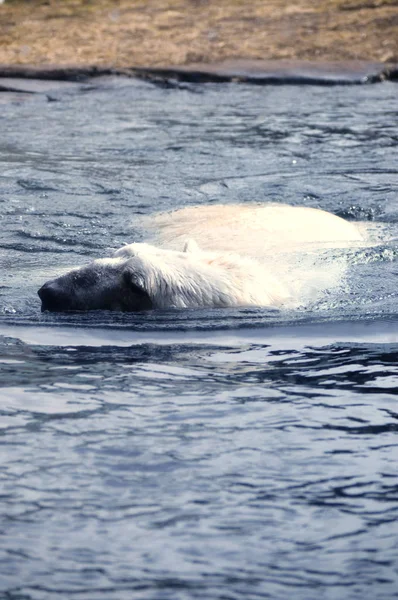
{"x": 135, "y": 282}
{"x": 125, "y": 251}
{"x": 191, "y": 246}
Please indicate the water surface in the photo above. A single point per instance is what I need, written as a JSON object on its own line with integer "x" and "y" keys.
{"x": 246, "y": 453}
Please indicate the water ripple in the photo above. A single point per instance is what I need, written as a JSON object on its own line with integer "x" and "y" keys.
{"x": 245, "y": 453}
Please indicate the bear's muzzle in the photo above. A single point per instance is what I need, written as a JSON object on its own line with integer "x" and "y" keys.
{"x": 54, "y": 299}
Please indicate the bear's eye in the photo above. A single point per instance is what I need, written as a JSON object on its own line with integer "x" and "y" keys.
{"x": 85, "y": 279}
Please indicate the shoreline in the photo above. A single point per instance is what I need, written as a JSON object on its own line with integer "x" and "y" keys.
{"x": 13, "y": 78}
{"x": 173, "y": 34}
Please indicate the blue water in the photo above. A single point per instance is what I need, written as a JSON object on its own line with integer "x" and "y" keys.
{"x": 246, "y": 453}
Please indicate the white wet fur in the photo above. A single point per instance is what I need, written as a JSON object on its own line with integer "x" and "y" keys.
{"x": 196, "y": 278}
{"x": 291, "y": 254}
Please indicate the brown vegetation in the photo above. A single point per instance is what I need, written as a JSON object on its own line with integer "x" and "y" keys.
{"x": 175, "y": 32}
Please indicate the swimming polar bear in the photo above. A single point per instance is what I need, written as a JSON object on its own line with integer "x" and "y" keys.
{"x": 236, "y": 264}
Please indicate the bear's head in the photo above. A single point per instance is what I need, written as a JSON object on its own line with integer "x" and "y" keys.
{"x": 116, "y": 283}
{"x": 128, "y": 281}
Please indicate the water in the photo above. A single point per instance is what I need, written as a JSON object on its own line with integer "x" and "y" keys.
{"x": 247, "y": 453}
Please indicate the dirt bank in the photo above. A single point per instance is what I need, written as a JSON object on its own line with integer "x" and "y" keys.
{"x": 158, "y": 33}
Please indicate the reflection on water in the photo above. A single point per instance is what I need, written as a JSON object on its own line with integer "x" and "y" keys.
{"x": 246, "y": 453}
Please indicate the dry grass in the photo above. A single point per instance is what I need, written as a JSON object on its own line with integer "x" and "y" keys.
{"x": 174, "y": 32}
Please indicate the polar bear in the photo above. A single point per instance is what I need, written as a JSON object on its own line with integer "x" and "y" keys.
{"x": 235, "y": 265}
{"x": 141, "y": 276}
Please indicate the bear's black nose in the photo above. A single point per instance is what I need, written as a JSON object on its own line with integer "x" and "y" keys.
{"x": 53, "y": 298}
